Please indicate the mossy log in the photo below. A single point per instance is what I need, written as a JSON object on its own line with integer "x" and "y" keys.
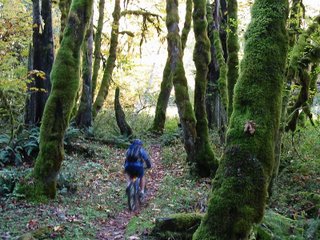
{"x": 64, "y": 6}
{"x": 239, "y": 192}
{"x": 65, "y": 78}
{"x": 124, "y": 127}
{"x": 177, "y": 226}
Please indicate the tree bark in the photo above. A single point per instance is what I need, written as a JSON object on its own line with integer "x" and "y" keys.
{"x": 205, "y": 161}
{"x": 65, "y": 84}
{"x": 179, "y": 79}
{"x": 124, "y": 127}
{"x": 233, "y": 49}
{"x": 166, "y": 84}
{"x": 107, "y": 75}
{"x": 43, "y": 56}
{"x": 84, "y": 114}
{"x": 240, "y": 187}
{"x": 97, "y": 47}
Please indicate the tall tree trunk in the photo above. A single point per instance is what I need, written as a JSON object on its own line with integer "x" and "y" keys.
{"x": 43, "y": 56}
{"x": 107, "y": 75}
{"x": 97, "y": 47}
{"x": 166, "y": 84}
{"x": 84, "y": 114}
{"x": 205, "y": 161}
{"x": 233, "y": 49}
{"x": 124, "y": 127}
{"x": 65, "y": 84}
{"x": 64, "y": 6}
{"x": 215, "y": 108}
{"x": 240, "y": 187}
{"x": 179, "y": 79}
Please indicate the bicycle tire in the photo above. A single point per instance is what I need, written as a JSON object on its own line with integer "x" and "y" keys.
{"x": 131, "y": 197}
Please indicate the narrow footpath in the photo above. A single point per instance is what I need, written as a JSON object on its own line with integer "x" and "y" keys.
{"x": 115, "y": 227}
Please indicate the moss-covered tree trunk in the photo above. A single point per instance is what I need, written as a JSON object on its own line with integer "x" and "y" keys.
{"x": 124, "y": 127}
{"x": 97, "y": 47}
{"x": 84, "y": 115}
{"x": 166, "y": 84}
{"x": 239, "y": 192}
{"x": 233, "y": 49}
{"x": 107, "y": 75}
{"x": 216, "y": 109}
{"x": 42, "y": 60}
{"x": 64, "y": 6}
{"x": 205, "y": 161}
{"x": 179, "y": 79}
{"x": 65, "y": 77}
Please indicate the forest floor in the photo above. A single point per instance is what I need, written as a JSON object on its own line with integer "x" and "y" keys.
{"x": 91, "y": 202}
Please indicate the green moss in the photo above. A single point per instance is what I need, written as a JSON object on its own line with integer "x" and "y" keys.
{"x": 232, "y": 50}
{"x": 65, "y": 83}
{"x": 222, "y": 81}
{"x": 240, "y": 188}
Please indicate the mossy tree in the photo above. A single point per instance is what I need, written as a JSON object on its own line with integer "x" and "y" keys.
{"x": 304, "y": 56}
{"x": 239, "y": 191}
{"x": 186, "y": 113}
{"x": 166, "y": 84}
{"x": 216, "y": 89}
{"x": 107, "y": 75}
{"x": 41, "y": 60}
{"x": 97, "y": 47}
{"x": 232, "y": 49}
{"x": 205, "y": 161}
{"x": 64, "y": 6}
{"x": 84, "y": 114}
{"x": 65, "y": 77}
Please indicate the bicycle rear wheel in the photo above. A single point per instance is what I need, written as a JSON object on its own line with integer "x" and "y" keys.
{"x": 133, "y": 195}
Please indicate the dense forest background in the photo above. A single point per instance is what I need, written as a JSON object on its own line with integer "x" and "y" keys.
{"x": 224, "y": 94}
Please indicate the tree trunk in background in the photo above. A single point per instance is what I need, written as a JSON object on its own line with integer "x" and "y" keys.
{"x": 124, "y": 127}
{"x": 64, "y": 6}
{"x": 240, "y": 187}
{"x": 205, "y": 161}
{"x": 65, "y": 84}
{"x": 216, "y": 111}
{"x": 107, "y": 75}
{"x": 97, "y": 48}
{"x": 84, "y": 114}
{"x": 42, "y": 60}
{"x": 166, "y": 84}
{"x": 186, "y": 114}
{"x": 233, "y": 49}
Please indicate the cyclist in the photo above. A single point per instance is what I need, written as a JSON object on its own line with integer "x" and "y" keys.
{"x": 136, "y": 155}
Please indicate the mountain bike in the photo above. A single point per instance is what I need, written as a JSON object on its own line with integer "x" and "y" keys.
{"x": 133, "y": 193}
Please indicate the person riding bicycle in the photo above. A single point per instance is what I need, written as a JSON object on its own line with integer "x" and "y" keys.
{"x": 136, "y": 155}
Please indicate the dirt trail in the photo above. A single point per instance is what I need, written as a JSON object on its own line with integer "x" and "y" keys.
{"x": 115, "y": 227}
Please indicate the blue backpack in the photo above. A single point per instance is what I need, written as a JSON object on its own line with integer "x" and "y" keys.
{"x": 133, "y": 153}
